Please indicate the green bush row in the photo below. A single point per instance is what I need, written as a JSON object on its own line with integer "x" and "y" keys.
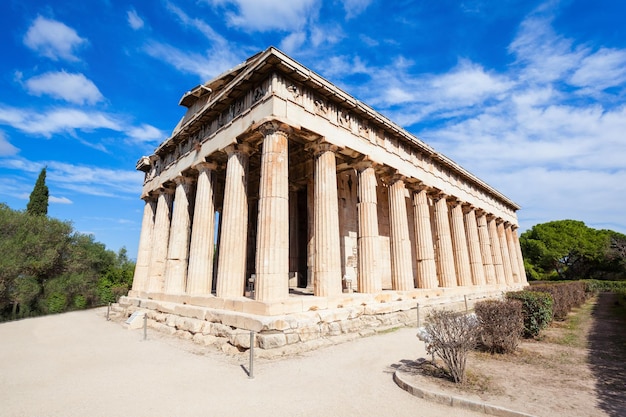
{"x": 565, "y": 296}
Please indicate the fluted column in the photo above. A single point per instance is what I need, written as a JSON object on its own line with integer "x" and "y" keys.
{"x": 142, "y": 266}
{"x": 272, "y": 251}
{"x": 231, "y": 267}
{"x": 512, "y": 252}
{"x": 485, "y": 248}
{"x": 459, "y": 245}
{"x": 496, "y": 252}
{"x": 178, "y": 250}
{"x": 401, "y": 264}
{"x": 202, "y": 247}
{"x": 327, "y": 263}
{"x": 425, "y": 251}
{"x": 368, "y": 240}
{"x": 520, "y": 257}
{"x": 473, "y": 244}
{"x": 160, "y": 240}
{"x": 506, "y": 257}
{"x": 444, "y": 251}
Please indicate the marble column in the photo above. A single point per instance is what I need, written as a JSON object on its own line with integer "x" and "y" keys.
{"x": 327, "y": 263}
{"x": 459, "y": 245}
{"x": 445, "y": 254}
{"x": 272, "y": 249}
{"x": 142, "y": 266}
{"x": 231, "y": 266}
{"x": 496, "y": 251}
{"x": 520, "y": 257}
{"x": 473, "y": 244}
{"x": 202, "y": 247}
{"x": 512, "y": 252}
{"x": 425, "y": 251}
{"x": 160, "y": 240}
{"x": 485, "y": 248}
{"x": 369, "y": 280}
{"x": 506, "y": 258}
{"x": 178, "y": 248}
{"x": 401, "y": 263}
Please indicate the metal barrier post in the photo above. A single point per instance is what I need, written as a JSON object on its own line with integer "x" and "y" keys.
{"x": 418, "y": 315}
{"x": 466, "y": 309}
{"x": 251, "y": 367}
{"x": 108, "y": 309}
{"x": 145, "y": 326}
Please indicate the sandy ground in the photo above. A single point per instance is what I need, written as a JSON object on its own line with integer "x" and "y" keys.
{"x": 78, "y": 364}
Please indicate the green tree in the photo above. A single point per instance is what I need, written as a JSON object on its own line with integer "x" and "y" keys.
{"x": 38, "y": 202}
{"x": 568, "y": 249}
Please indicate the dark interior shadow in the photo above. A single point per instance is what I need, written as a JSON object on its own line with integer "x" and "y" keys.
{"x": 607, "y": 354}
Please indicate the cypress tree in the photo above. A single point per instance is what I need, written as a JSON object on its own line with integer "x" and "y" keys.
{"x": 38, "y": 203}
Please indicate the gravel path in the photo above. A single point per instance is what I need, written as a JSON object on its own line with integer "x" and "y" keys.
{"x": 78, "y": 364}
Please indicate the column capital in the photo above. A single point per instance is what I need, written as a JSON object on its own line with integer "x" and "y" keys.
{"x": 183, "y": 179}
{"x": 436, "y": 194}
{"x": 467, "y": 207}
{"x": 453, "y": 201}
{"x": 274, "y": 126}
{"x": 233, "y": 148}
{"x": 363, "y": 163}
{"x": 204, "y": 166}
{"x": 321, "y": 146}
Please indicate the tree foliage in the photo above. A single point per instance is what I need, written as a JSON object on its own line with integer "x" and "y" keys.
{"x": 38, "y": 202}
{"x": 47, "y": 267}
{"x": 568, "y": 249}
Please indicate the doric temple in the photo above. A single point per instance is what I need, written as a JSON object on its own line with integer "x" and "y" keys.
{"x": 278, "y": 195}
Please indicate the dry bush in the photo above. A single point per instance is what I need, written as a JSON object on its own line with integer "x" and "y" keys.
{"x": 451, "y": 337}
{"x": 501, "y": 324}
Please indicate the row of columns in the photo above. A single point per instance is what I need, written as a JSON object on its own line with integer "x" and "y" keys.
{"x": 459, "y": 247}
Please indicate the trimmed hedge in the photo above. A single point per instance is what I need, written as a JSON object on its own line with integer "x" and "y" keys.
{"x": 536, "y": 309}
{"x": 565, "y": 296}
{"x": 501, "y": 324}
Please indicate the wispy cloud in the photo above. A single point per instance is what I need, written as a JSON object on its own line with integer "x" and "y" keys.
{"x": 134, "y": 21}
{"x": 354, "y": 8}
{"x": 6, "y": 149}
{"x": 75, "y": 88}
{"x": 59, "y": 200}
{"x": 266, "y": 15}
{"x": 53, "y": 39}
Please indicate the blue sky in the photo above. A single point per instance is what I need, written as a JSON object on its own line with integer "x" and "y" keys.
{"x": 527, "y": 95}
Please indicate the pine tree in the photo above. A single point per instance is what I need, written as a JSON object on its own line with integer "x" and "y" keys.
{"x": 38, "y": 203}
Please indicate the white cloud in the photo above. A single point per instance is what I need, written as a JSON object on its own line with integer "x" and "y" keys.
{"x": 93, "y": 180}
{"x": 60, "y": 200}
{"x": 75, "y": 88}
{"x": 69, "y": 120}
{"x": 293, "y": 42}
{"x": 134, "y": 21}
{"x": 354, "y": 8}
{"x": 197, "y": 24}
{"x": 602, "y": 69}
{"x": 6, "y": 149}
{"x": 53, "y": 39}
{"x": 205, "y": 66}
{"x": 146, "y": 133}
{"x": 266, "y": 15}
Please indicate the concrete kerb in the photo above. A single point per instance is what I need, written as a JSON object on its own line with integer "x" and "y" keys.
{"x": 457, "y": 402}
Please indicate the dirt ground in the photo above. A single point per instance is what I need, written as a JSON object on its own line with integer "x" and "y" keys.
{"x": 566, "y": 373}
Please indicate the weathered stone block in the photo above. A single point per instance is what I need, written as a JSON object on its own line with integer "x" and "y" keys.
{"x": 271, "y": 340}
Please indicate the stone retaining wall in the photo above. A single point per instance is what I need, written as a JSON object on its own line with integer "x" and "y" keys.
{"x": 294, "y": 332}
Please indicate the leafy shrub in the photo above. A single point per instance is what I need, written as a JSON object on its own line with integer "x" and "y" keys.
{"x": 595, "y": 286}
{"x": 565, "y": 295}
{"x": 501, "y": 324}
{"x": 452, "y": 336}
{"x": 536, "y": 309}
{"x": 55, "y": 303}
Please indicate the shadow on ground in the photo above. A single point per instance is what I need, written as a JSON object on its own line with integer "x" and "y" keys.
{"x": 607, "y": 354}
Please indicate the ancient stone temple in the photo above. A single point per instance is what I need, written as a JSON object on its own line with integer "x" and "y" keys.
{"x": 283, "y": 205}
